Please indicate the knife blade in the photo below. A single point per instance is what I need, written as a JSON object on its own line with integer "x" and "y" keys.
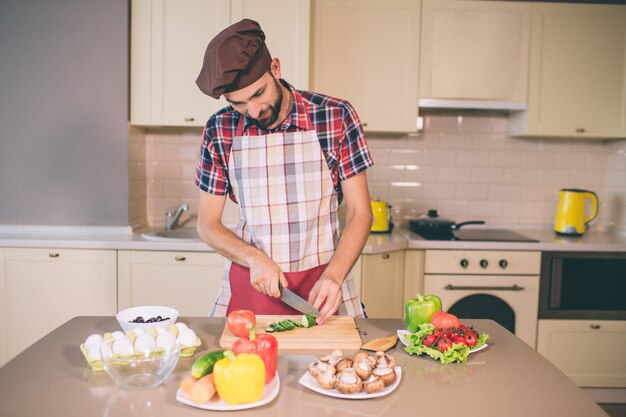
{"x": 294, "y": 300}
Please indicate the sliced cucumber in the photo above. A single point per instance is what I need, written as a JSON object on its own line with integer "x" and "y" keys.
{"x": 308, "y": 321}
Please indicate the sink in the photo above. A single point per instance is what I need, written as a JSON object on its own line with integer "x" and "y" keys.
{"x": 189, "y": 235}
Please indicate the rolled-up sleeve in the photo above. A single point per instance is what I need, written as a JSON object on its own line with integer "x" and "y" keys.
{"x": 211, "y": 171}
{"x": 354, "y": 155}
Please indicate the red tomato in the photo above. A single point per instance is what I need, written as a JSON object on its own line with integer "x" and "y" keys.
{"x": 471, "y": 339}
{"x": 443, "y": 344}
{"x": 460, "y": 339}
{"x": 464, "y": 328}
{"x": 444, "y": 320}
{"x": 429, "y": 339}
{"x": 238, "y": 321}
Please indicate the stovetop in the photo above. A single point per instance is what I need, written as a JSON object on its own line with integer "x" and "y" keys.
{"x": 481, "y": 235}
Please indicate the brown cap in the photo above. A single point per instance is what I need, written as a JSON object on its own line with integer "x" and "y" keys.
{"x": 235, "y": 58}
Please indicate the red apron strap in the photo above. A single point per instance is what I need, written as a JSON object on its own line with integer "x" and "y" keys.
{"x": 240, "y": 126}
{"x": 246, "y": 297}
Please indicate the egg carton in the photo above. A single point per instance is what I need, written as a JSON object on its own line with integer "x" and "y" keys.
{"x": 97, "y": 365}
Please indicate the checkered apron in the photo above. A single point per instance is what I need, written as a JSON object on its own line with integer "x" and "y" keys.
{"x": 288, "y": 209}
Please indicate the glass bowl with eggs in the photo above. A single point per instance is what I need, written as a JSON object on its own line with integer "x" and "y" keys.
{"x": 140, "y": 365}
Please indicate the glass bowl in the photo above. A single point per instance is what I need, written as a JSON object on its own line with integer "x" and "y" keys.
{"x": 138, "y": 370}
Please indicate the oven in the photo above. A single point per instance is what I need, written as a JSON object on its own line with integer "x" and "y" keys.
{"x": 583, "y": 285}
{"x": 483, "y": 284}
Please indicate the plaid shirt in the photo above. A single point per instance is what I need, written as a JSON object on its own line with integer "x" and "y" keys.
{"x": 336, "y": 123}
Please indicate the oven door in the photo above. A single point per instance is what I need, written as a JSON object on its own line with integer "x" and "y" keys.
{"x": 512, "y": 301}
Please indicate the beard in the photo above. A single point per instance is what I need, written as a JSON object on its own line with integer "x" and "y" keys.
{"x": 274, "y": 109}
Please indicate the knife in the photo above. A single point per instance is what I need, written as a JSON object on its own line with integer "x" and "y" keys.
{"x": 294, "y": 300}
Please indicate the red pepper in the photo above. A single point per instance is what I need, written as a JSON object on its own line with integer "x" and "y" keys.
{"x": 265, "y": 345}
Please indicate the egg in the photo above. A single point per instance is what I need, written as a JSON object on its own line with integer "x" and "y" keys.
{"x": 93, "y": 339}
{"x": 161, "y": 330}
{"x": 165, "y": 341}
{"x": 145, "y": 343}
{"x": 187, "y": 337}
{"x": 180, "y": 326}
{"x": 118, "y": 335}
{"x": 93, "y": 352}
{"x": 123, "y": 346}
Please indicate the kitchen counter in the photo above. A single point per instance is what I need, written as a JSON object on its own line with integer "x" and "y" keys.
{"x": 592, "y": 241}
{"x": 508, "y": 378}
{"x": 124, "y": 239}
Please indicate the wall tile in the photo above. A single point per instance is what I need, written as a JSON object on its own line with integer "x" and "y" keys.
{"x": 464, "y": 165}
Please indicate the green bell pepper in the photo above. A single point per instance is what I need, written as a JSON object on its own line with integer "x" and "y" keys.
{"x": 420, "y": 309}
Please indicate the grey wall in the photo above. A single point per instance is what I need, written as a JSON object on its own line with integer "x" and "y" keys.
{"x": 63, "y": 112}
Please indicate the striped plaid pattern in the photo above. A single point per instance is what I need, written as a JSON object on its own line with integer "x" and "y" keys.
{"x": 335, "y": 122}
{"x": 286, "y": 198}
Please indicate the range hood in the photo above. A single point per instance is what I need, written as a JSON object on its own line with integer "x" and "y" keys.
{"x": 438, "y": 103}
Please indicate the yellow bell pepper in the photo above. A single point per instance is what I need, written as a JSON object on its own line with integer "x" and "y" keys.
{"x": 239, "y": 379}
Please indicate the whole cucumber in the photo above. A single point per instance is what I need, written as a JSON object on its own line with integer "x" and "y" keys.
{"x": 204, "y": 364}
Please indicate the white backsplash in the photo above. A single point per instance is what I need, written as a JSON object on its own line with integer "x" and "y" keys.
{"x": 463, "y": 165}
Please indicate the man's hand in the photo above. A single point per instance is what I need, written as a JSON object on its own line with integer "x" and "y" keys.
{"x": 265, "y": 276}
{"x": 326, "y": 293}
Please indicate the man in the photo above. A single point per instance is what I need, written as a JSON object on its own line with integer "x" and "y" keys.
{"x": 287, "y": 158}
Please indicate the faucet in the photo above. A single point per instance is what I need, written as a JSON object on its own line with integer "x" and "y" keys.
{"x": 172, "y": 215}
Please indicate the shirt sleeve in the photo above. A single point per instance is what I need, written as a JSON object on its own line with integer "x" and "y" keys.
{"x": 211, "y": 171}
{"x": 354, "y": 155}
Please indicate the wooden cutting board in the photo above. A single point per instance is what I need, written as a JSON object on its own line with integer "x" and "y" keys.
{"x": 339, "y": 332}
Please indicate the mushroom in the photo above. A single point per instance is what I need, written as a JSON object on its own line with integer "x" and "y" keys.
{"x": 363, "y": 369}
{"x": 334, "y": 357}
{"x": 359, "y": 356}
{"x": 387, "y": 374}
{"x": 319, "y": 367}
{"x": 327, "y": 380}
{"x": 343, "y": 364}
{"x": 373, "y": 384}
{"x": 387, "y": 360}
{"x": 348, "y": 382}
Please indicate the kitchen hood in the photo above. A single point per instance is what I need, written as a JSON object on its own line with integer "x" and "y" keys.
{"x": 438, "y": 103}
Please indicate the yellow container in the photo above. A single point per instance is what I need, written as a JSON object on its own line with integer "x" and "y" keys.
{"x": 382, "y": 216}
{"x": 572, "y": 218}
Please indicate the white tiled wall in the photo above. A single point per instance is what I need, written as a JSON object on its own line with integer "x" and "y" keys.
{"x": 463, "y": 165}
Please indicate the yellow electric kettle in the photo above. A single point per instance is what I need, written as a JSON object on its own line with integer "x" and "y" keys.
{"x": 382, "y": 217}
{"x": 571, "y": 216}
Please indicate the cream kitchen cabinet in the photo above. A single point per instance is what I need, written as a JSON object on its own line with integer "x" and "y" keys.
{"x": 577, "y": 84}
{"x": 382, "y": 284}
{"x": 367, "y": 52}
{"x": 186, "y": 281}
{"x": 474, "y": 50}
{"x": 168, "y": 40}
{"x": 591, "y": 353}
{"x": 40, "y": 289}
{"x": 413, "y": 274}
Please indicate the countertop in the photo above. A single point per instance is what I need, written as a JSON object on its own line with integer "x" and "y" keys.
{"x": 508, "y": 378}
{"x": 400, "y": 239}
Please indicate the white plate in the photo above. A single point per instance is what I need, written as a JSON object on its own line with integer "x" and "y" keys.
{"x": 270, "y": 391}
{"x": 308, "y": 381}
{"x": 402, "y": 333}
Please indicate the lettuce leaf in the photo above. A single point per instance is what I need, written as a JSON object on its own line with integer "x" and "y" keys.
{"x": 457, "y": 353}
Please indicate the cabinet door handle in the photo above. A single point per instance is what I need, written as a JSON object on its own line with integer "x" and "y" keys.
{"x": 53, "y": 255}
{"x": 386, "y": 256}
{"x": 189, "y": 119}
{"x": 595, "y": 326}
{"x": 180, "y": 258}
{"x": 580, "y": 130}
{"x": 513, "y": 287}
